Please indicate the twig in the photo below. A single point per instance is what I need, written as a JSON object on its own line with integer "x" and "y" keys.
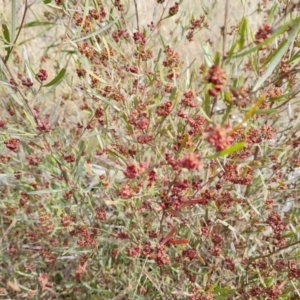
{"x": 65, "y": 34}
{"x": 271, "y": 253}
{"x": 137, "y": 16}
{"x": 19, "y": 31}
{"x": 225, "y": 31}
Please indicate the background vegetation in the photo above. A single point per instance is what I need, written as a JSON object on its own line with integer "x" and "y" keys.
{"x": 149, "y": 151}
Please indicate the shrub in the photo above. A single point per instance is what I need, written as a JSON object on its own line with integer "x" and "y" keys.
{"x": 130, "y": 170}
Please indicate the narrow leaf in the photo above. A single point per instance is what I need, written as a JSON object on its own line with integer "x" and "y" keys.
{"x": 59, "y": 76}
{"x": 207, "y": 55}
{"x": 266, "y": 111}
{"x": 281, "y": 30}
{"x": 243, "y": 33}
{"x": 229, "y": 150}
{"x": 278, "y": 55}
{"x": 37, "y": 23}
{"x": 273, "y": 54}
{"x": 6, "y": 34}
{"x": 161, "y": 75}
{"x": 272, "y": 13}
{"x": 13, "y": 19}
{"x": 97, "y": 32}
{"x": 47, "y": 191}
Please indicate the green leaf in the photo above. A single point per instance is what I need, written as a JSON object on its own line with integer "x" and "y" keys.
{"x": 37, "y": 23}
{"x": 162, "y": 41}
{"x": 157, "y": 59}
{"x": 161, "y": 75}
{"x": 226, "y": 115}
{"x": 47, "y": 191}
{"x": 47, "y": 1}
{"x": 272, "y": 13}
{"x": 217, "y": 58}
{"x": 228, "y": 151}
{"x": 97, "y": 32}
{"x": 280, "y": 30}
{"x": 173, "y": 94}
{"x": 13, "y": 19}
{"x": 6, "y": 34}
{"x": 273, "y": 54}
{"x": 206, "y": 104}
{"x": 183, "y": 143}
{"x": 243, "y": 33}
{"x": 230, "y": 53}
{"x": 59, "y": 77}
{"x": 278, "y": 54}
{"x": 266, "y": 111}
{"x": 207, "y": 55}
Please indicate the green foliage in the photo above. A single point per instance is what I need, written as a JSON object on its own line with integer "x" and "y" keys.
{"x": 142, "y": 169}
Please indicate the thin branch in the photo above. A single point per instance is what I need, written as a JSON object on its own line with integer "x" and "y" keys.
{"x": 225, "y": 32}
{"x": 137, "y": 16}
{"x": 271, "y": 253}
{"x": 19, "y": 31}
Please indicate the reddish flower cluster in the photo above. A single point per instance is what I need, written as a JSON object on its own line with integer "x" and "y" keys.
{"x": 151, "y": 178}
{"x": 172, "y": 60}
{"x": 119, "y": 34}
{"x": 33, "y": 160}
{"x": 69, "y": 158}
{"x": 126, "y": 192}
{"x": 66, "y": 220}
{"x": 172, "y": 162}
{"x": 144, "y": 139}
{"x": 241, "y": 176}
{"x": 98, "y": 15}
{"x": 197, "y": 124}
{"x": 139, "y": 118}
{"x": 112, "y": 93}
{"x": 278, "y": 226}
{"x": 263, "y": 33}
{"x": 267, "y": 132}
{"x": 27, "y": 82}
{"x": 44, "y": 281}
{"x": 139, "y": 39}
{"x": 81, "y": 72}
{"x": 229, "y": 264}
{"x": 189, "y": 99}
{"x": 190, "y": 161}
{"x": 219, "y": 137}
{"x": 86, "y": 238}
{"x": 85, "y": 49}
{"x": 190, "y": 253}
{"x": 183, "y": 141}
{"x": 195, "y": 24}
{"x": 217, "y": 77}
{"x": 119, "y": 5}
{"x": 131, "y": 171}
{"x": 134, "y": 251}
{"x": 165, "y": 109}
{"x": 131, "y": 69}
{"x": 256, "y": 291}
{"x": 12, "y": 144}
{"x": 161, "y": 257}
{"x": 101, "y": 214}
{"x": 240, "y": 97}
{"x": 42, "y": 75}
{"x": 274, "y": 292}
{"x": 81, "y": 269}
{"x": 174, "y": 9}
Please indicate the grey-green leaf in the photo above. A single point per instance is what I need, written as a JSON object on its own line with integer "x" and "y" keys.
{"x": 59, "y": 76}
